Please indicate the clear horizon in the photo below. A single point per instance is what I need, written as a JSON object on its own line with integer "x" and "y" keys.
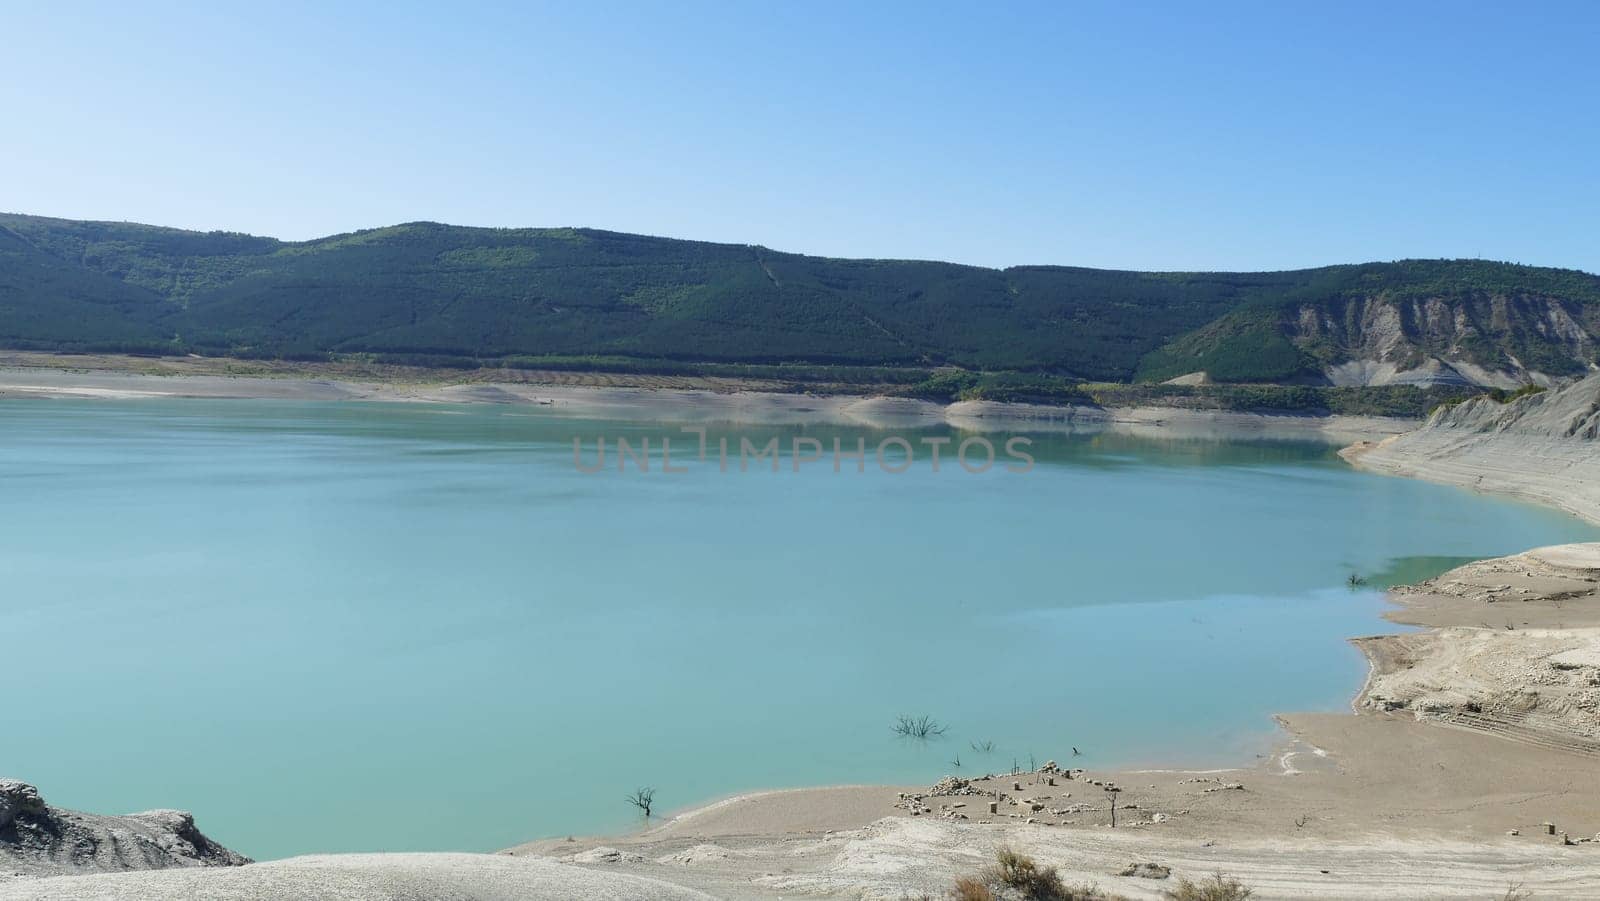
{"x": 1250, "y": 138}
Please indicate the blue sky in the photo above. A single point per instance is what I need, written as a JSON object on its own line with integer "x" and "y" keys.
{"x": 1193, "y": 136}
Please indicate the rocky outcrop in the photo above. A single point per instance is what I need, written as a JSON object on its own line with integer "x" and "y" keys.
{"x": 1544, "y": 448}
{"x": 1497, "y": 341}
{"x": 39, "y": 840}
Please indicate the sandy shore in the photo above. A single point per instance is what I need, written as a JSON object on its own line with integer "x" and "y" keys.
{"x": 1470, "y": 762}
{"x": 678, "y": 400}
{"x": 1438, "y": 786}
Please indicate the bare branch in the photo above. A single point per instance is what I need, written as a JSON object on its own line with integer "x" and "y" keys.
{"x": 642, "y": 798}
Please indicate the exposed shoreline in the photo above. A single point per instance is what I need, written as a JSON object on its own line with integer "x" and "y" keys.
{"x": 1414, "y": 793}
{"x": 1471, "y": 733}
{"x": 691, "y": 401}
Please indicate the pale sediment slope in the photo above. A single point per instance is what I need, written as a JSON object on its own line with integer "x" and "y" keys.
{"x": 694, "y": 406}
{"x": 1544, "y": 448}
{"x": 1174, "y": 422}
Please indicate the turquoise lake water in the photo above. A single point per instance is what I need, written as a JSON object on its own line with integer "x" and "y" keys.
{"x": 340, "y": 627}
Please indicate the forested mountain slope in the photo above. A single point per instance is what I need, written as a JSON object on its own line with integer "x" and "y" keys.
{"x": 425, "y": 291}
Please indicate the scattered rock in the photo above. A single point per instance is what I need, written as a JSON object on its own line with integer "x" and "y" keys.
{"x": 1146, "y": 871}
{"x": 952, "y": 785}
{"x": 604, "y": 855}
{"x": 697, "y": 854}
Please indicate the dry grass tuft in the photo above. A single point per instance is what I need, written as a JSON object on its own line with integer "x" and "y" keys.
{"x": 1016, "y": 875}
{"x": 1022, "y": 873}
{"x": 970, "y": 889}
{"x": 1216, "y": 888}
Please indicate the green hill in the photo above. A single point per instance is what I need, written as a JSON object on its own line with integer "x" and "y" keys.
{"x": 435, "y": 293}
{"x": 46, "y": 301}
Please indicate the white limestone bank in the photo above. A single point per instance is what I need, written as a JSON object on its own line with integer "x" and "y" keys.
{"x": 1543, "y": 448}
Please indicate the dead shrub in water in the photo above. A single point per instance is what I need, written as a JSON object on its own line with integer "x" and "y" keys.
{"x": 918, "y": 727}
{"x": 1216, "y": 888}
{"x": 643, "y": 798}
